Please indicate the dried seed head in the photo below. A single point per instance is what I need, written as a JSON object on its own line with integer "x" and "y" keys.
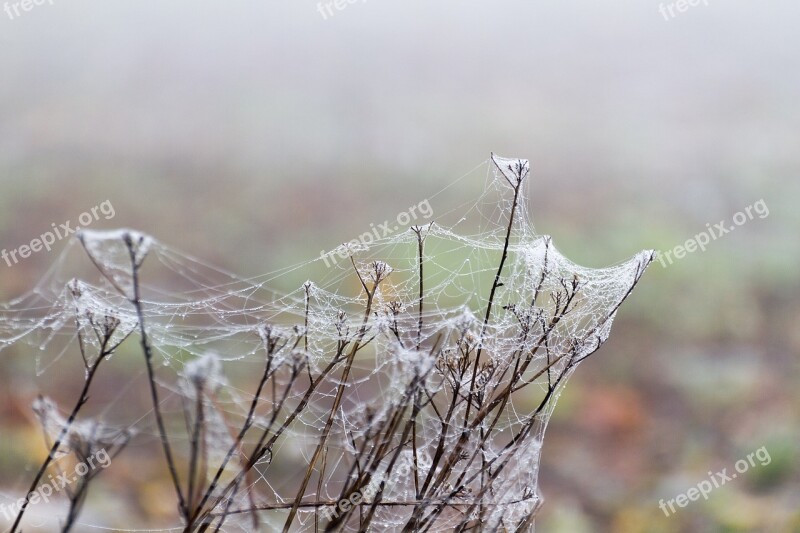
{"x": 395, "y": 307}
{"x": 202, "y": 371}
{"x": 341, "y": 325}
{"x": 75, "y": 288}
{"x": 308, "y": 286}
{"x": 378, "y": 271}
{"x": 272, "y": 337}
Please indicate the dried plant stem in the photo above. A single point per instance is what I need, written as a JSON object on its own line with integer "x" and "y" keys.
{"x": 272, "y": 346}
{"x": 517, "y": 186}
{"x": 76, "y": 502}
{"x": 104, "y": 351}
{"x": 151, "y": 378}
{"x": 328, "y": 502}
{"x": 338, "y": 399}
{"x": 418, "y": 396}
{"x": 264, "y": 444}
{"x": 197, "y": 430}
{"x": 83, "y": 398}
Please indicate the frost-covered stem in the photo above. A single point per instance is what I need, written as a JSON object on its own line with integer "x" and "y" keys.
{"x": 379, "y": 496}
{"x": 381, "y": 452}
{"x": 517, "y": 186}
{"x": 265, "y": 445}
{"x": 82, "y": 399}
{"x": 420, "y": 263}
{"x": 358, "y": 475}
{"x": 337, "y": 400}
{"x": 413, "y": 390}
{"x": 151, "y": 378}
{"x": 505, "y": 395}
{"x": 446, "y": 423}
{"x": 446, "y": 470}
{"x": 418, "y": 398}
{"x": 75, "y": 504}
{"x": 199, "y": 423}
{"x": 320, "y": 481}
{"x": 455, "y": 454}
{"x": 239, "y": 437}
{"x": 227, "y": 511}
{"x": 506, "y": 453}
{"x": 307, "y": 288}
{"x": 517, "y": 442}
{"x": 520, "y": 369}
{"x": 326, "y": 503}
{"x": 481, "y": 416}
{"x": 526, "y": 523}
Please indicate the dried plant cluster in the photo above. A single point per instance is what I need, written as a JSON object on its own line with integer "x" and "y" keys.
{"x": 407, "y": 391}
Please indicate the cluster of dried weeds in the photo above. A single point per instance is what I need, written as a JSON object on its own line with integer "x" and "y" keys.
{"x": 452, "y": 425}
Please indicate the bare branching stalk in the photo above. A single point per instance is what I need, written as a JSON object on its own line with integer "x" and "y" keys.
{"x": 136, "y": 263}
{"x": 104, "y": 331}
{"x": 519, "y": 172}
{"x": 378, "y": 274}
{"x": 418, "y": 397}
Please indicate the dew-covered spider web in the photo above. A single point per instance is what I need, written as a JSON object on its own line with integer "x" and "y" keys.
{"x": 405, "y": 387}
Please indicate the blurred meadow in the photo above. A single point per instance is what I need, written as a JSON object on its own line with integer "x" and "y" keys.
{"x": 253, "y": 135}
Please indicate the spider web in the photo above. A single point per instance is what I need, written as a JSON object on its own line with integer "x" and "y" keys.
{"x": 471, "y": 334}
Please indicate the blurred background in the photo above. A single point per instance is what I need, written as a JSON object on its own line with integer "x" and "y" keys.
{"x": 254, "y": 134}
